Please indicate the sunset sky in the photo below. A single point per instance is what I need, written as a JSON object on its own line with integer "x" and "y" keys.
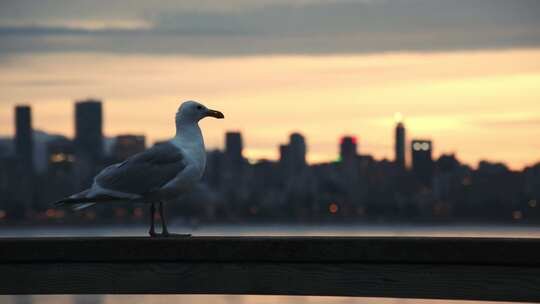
{"x": 463, "y": 73}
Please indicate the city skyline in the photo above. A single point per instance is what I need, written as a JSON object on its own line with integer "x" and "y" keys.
{"x": 354, "y": 187}
{"x": 487, "y": 113}
{"x": 88, "y": 115}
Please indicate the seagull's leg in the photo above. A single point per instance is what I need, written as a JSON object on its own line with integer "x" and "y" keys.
{"x": 152, "y": 231}
{"x": 164, "y": 231}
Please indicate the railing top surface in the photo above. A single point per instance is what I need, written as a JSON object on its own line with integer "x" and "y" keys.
{"x": 402, "y": 250}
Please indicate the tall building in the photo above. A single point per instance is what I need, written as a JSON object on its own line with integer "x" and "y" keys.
{"x": 24, "y": 143}
{"x": 297, "y": 150}
{"x": 89, "y": 129}
{"x": 292, "y": 156}
{"x": 127, "y": 145}
{"x": 422, "y": 161}
{"x": 399, "y": 148}
{"x": 233, "y": 148}
{"x": 348, "y": 149}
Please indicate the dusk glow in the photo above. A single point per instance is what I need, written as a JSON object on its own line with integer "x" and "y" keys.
{"x": 461, "y": 100}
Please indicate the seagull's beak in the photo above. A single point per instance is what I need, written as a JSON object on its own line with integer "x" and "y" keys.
{"x": 214, "y": 113}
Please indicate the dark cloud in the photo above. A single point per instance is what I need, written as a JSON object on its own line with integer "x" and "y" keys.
{"x": 284, "y": 28}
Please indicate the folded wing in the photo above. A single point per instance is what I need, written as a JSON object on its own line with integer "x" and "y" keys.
{"x": 144, "y": 172}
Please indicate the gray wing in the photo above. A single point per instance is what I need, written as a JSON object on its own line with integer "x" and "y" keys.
{"x": 144, "y": 172}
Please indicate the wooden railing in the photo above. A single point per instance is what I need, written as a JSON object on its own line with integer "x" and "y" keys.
{"x": 431, "y": 268}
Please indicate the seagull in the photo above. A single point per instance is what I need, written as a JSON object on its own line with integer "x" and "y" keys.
{"x": 156, "y": 175}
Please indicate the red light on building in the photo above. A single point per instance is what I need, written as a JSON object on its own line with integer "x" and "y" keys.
{"x": 333, "y": 208}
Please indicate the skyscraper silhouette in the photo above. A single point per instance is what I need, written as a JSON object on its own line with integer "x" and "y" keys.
{"x": 422, "y": 161}
{"x": 297, "y": 150}
{"x": 89, "y": 129}
{"x": 292, "y": 156}
{"x": 24, "y": 143}
{"x": 399, "y": 148}
{"x": 348, "y": 149}
{"x": 233, "y": 148}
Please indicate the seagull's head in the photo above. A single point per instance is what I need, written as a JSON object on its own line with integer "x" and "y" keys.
{"x": 192, "y": 111}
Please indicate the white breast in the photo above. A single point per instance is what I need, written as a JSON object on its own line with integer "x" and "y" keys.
{"x": 195, "y": 156}
{"x": 191, "y": 143}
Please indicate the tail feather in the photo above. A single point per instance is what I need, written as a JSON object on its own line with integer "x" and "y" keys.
{"x": 79, "y": 203}
{"x": 85, "y": 199}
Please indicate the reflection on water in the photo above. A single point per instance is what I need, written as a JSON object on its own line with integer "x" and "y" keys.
{"x": 214, "y": 299}
{"x": 245, "y": 230}
{"x": 285, "y": 230}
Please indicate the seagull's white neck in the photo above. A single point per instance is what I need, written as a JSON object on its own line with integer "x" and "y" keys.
{"x": 189, "y": 139}
{"x": 188, "y": 134}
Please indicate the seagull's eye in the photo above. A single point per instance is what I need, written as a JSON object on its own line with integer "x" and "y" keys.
{"x": 199, "y": 107}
